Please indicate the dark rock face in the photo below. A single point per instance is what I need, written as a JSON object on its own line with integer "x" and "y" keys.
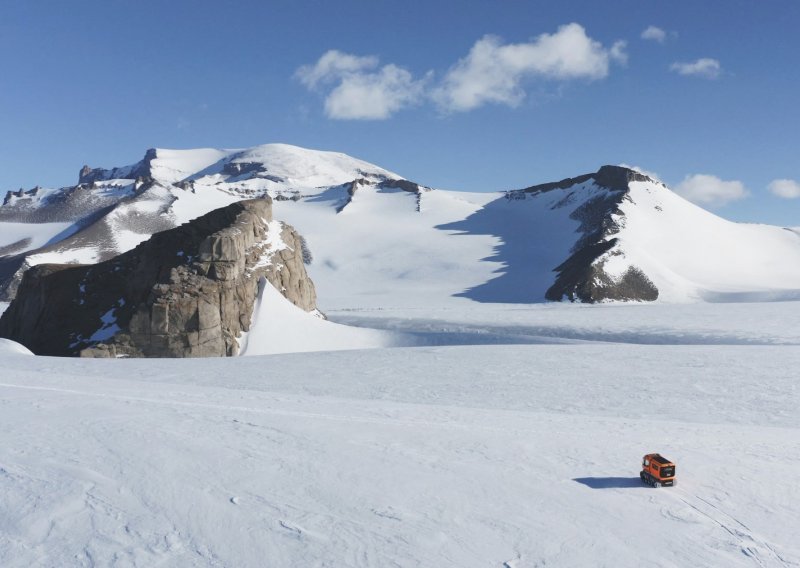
{"x": 581, "y": 277}
{"x": 617, "y": 177}
{"x": 20, "y": 194}
{"x": 611, "y": 177}
{"x": 140, "y": 169}
{"x": 382, "y": 183}
{"x": 240, "y": 168}
{"x": 403, "y": 184}
{"x": 563, "y": 184}
{"x": 12, "y": 268}
{"x": 75, "y": 203}
{"x": 186, "y": 292}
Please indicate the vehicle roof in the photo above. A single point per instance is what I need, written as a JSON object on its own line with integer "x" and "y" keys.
{"x": 660, "y": 459}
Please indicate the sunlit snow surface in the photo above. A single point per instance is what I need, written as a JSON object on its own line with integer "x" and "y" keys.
{"x": 425, "y": 423}
{"x": 445, "y": 455}
{"x": 281, "y": 327}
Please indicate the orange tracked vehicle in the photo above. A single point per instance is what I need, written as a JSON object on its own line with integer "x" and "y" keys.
{"x": 657, "y": 471}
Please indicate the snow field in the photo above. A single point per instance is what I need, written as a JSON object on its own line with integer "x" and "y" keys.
{"x": 448, "y": 456}
{"x": 384, "y": 252}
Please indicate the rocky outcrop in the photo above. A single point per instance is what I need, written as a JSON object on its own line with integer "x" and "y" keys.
{"x": 611, "y": 177}
{"x": 382, "y": 183}
{"x": 186, "y": 292}
{"x": 404, "y": 184}
{"x": 241, "y": 168}
{"x": 140, "y": 169}
{"x": 12, "y": 268}
{"x": 582, "y": 277}
{"x": 20, "y": 194}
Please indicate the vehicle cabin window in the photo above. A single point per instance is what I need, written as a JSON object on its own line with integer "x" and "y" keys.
{"x": 646, "y": 461}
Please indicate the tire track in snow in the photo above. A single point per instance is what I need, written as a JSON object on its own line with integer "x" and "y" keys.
{"x": 759, "y": 550}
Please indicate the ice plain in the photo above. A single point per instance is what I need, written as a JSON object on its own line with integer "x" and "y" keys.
{"x": 513, "y": 447}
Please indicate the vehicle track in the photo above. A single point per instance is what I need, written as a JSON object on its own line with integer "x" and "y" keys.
{"x": 752, "y": 546}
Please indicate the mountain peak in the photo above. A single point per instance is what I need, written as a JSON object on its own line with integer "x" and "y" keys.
{"x": 611, "y": 177}
{"x": 279, "y": 162}
{"x": 618, "y": 177}
{"x": 142, "y": 168}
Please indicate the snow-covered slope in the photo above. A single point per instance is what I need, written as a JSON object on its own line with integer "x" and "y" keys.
{"x": 17, "y": 238}
{"x": 281, "y": 327}
{"x": 9, "y": 348}
{"x": 691, "y": 254}
{"x": 379, "y": 241}
{"x": 517, "y": 455}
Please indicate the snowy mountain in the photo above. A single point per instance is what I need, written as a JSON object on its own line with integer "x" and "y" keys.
{"x": 639, "y": 240}
{"x": 378, "y": 240}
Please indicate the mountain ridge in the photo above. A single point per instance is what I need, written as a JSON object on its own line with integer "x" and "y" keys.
{"x": 380, "y": 239}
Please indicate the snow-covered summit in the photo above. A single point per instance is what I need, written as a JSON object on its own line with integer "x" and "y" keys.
{"x": 640, "y": 240}
{"x": 285, "y": 164}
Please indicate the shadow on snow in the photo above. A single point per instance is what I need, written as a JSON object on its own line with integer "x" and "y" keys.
{"x": 609, "y": 482}
{"x": 531, "y": 245}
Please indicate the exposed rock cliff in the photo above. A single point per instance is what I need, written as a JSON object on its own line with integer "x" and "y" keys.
{"x": 186, "y": 292}
{"x": 141, "y": 168}
{"x": 582, "y": 277}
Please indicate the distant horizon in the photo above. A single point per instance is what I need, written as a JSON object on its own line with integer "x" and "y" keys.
{"x": 464, "y": 97}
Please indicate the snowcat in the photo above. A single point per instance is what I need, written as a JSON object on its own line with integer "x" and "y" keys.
{"x": 657, "y": 471}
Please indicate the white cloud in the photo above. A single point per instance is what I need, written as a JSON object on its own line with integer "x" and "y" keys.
{"x": 710, "y": 190}
{"x": 332, "y": 65}
{"x": 785, "y": 188}
{"x": 492, "y": 72}
{"x": 362, "y": 91}
{"x": 373, "y": 96}
{"x": 705, "y": 67}
{"x": 618, "y": 53}
{"x": 655, "y": 34}
{"x": 357, "y": 87}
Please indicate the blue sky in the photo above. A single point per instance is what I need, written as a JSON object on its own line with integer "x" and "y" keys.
{"x": 478, "y": 95}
